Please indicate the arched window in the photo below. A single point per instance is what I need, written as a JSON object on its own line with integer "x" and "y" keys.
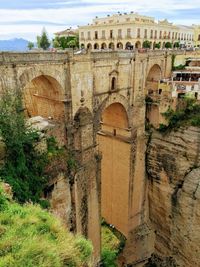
{"x": 113, "y": 83}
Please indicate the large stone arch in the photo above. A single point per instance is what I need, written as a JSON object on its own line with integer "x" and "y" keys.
{"x": 152, "y": 83}
{"x": 111, "y": 99}
{"x": 154, "y": 73}
{"x": 29, "y": 74}
{"x": 43, "y": 96}
{"x": 113, "y": 142}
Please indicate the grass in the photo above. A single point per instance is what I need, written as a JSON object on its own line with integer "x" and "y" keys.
{"x": 32, "y": 237}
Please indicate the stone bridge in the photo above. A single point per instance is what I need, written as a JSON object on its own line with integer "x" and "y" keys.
{"x": 98, "y": 101}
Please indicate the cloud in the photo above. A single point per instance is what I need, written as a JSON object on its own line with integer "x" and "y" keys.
{"x": 26, "y": 18}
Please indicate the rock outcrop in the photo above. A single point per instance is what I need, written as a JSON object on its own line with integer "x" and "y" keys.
{"x": 173, "y": 167}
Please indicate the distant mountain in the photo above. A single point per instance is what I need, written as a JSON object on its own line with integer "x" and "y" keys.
{"x": 17, "y": 44}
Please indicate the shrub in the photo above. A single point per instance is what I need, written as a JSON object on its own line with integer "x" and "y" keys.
{"x": 146, "y": 44}
{"x": 109, "y": 257}
{"x": 186, "y": 116}
{"x": 112, "y": 243}
{"x": 24, "y": 165}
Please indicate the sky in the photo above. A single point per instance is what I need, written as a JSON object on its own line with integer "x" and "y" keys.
{"x": 26, "y": 18}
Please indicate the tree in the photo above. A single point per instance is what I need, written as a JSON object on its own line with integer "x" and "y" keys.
{"x": 30, "y": 45}
{"x": 66, "y": 42}
{"x": 168, "y": 45}
{"x": 157, "y": 45}
{"x": 56, "y": 43}
{"x": 176, "y": 45}
{"x": 146, "y": 44}
{"x": 43, "y": 41}
{"x": 24, "y": 166}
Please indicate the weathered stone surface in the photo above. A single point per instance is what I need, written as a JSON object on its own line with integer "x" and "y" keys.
{"x": 173, "y": 166}
{"x": 60, "y": 199}
{"x": 39, "y": 123}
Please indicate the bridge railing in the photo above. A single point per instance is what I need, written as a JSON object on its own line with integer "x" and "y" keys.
{"x": 23, "y": 57}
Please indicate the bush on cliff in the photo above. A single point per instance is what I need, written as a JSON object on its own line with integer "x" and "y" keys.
{"x": 24, "y": 164}
{"x": 32, "y": 237}
{"x": 112, "y": 243}
{"x": 189, "y": 115}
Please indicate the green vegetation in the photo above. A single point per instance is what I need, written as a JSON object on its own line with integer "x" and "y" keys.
{"x": 112, "y": 244}
{"x": 30, "y": 45}
{"x": 186, "y": 116}
{"x": 66, "y": 42}
{"x": 30, "y": 237}
{"x": 146, "y": 44}
{"x": 43, "y": 40}
{"x": 24, "y": 164}
{"x": 176, "y": 45}
{"x": 157, "y": 45}
{"x": 179, "y": 67}
{"x": 26, "y": 168}
{"x": 168, "y": 45}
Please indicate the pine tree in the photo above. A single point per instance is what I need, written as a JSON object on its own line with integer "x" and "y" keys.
{"x": 43, "y": 40}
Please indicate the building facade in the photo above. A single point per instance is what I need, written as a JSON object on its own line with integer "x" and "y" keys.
{"x": 129, "y": 31}
{"x": 196, "y": 35}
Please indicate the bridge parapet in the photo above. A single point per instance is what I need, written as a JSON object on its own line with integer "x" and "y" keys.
{"x": 35, "y": 57}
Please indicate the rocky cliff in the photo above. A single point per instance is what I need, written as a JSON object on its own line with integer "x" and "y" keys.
{"x": 173, "y": 167}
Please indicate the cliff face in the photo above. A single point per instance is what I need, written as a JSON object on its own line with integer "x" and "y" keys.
{"x": 173, "y": 167}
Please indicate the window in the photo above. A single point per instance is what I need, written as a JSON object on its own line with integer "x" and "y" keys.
{"x": 129, "y": 33}
{"x": 138, "y": 33}
{"x": 151, "y": 34}
{"x": 111, "y": 33}
{"x": 155, "y": 36}
{"x": 103, "y": 35}
{"x": 89, "y": 35}
{"x": 160, "y": 34}
{"x": 145, "y": 33}
{"x": 113, "y": 83}
{"x": 199, "y": 37}
{"x": 82, "y": 35}
{"x": 96, "y": 35}
{"x": 119, "y": 33}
